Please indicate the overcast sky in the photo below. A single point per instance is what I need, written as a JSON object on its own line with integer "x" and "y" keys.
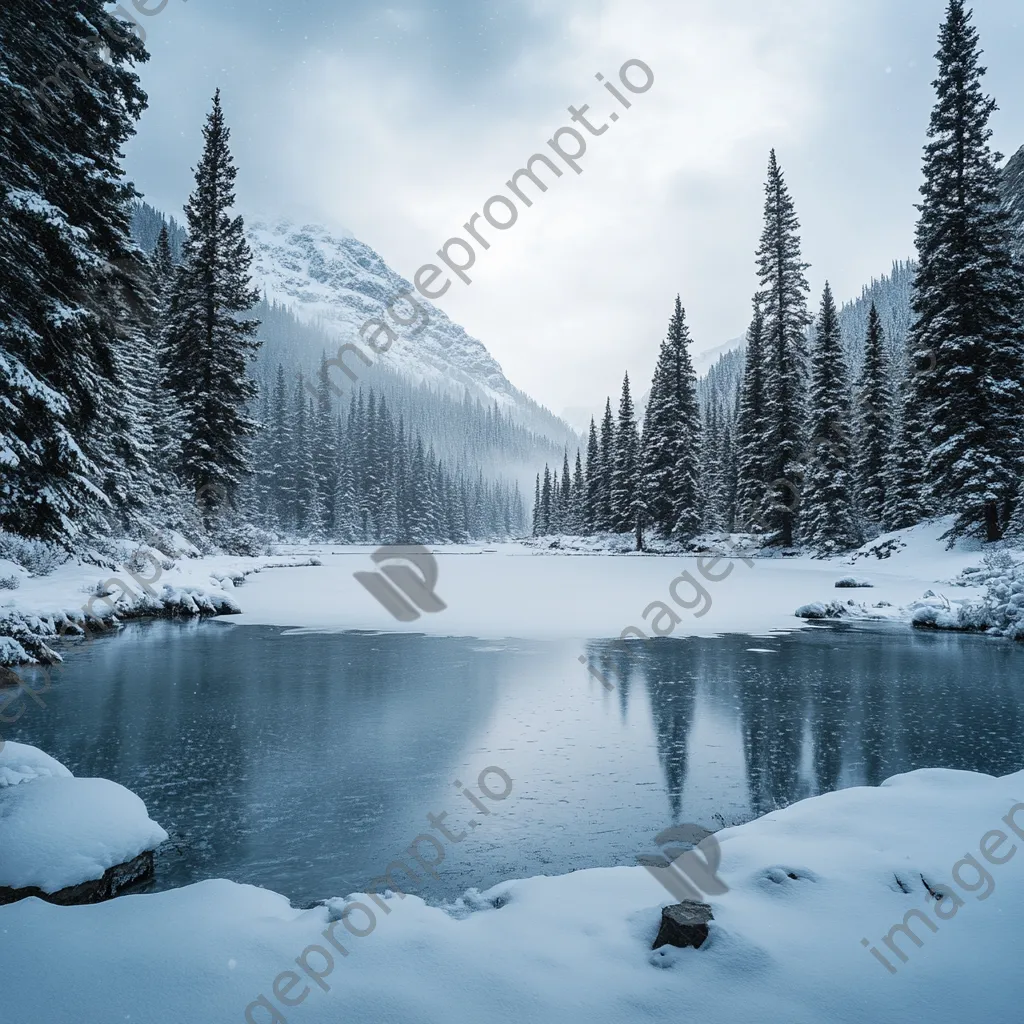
{"x": 398, "y": 122}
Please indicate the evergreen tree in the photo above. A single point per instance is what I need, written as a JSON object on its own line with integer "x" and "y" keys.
{"x": 967, "y": 300}
{"x": 874, "y": 424}
{"x": 626, "y": 473}
{"x": 210, "y": 343}
{"x": 783, "y": 299}
{"x": 671, "y": 437}
{"x": 594, "y": 471}
{"x": 829, "y": 519}
{"x": 712, "y": 484}
{"x": 906, "y": 497}
{"x": 325, "y": 449}
{"x": 68, "y": 270}
{"x": 565, "y": 498}
{"x": 751, "y": 428}
{"x": 578, "y": 514}
{"x": 608, "y": 447}
{"x": 281, "y": 455}
{"x": 306, "y": 496}
{"x": 536, "y": 531}
{"x": 545, "y": 503}
{"x": 728, "y": 479}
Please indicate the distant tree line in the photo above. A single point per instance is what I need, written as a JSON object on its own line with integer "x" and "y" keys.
{"x": 364, "y": 476}
{"x": 802, "y": 453}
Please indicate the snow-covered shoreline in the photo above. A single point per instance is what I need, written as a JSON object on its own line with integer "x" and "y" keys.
{"x": 80, "y": 600}
{"x": 504, "y": 590}
{"x": 510, "y": 590}
{"x": 888, "y": 904}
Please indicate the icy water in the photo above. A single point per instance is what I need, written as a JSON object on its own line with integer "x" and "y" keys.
{"x": 307, "y": 763}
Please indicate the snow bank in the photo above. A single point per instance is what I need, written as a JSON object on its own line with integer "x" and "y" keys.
{"x": 999, "y": 612}
{"x": 20, "y": 762}
{"x": 807, "y": 886}
{"x": 81, "y": 599}
{"x": 57, "y": 831}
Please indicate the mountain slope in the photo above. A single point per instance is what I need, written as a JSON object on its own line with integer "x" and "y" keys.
{"x": 340, "y": 283}
{"x": 1013, "y": 197}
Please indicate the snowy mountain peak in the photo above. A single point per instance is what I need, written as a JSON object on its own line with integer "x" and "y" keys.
{"x": 339, "y": 282}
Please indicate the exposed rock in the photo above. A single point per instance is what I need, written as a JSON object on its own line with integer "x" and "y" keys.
{"x": 853, "y": 583}
{"x": 684, "y": 925}
{"x": 114, "y": 881}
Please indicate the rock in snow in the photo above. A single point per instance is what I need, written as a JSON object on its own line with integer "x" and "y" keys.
{"x": 64, "y": 839}
{"x": 684, "y": 925}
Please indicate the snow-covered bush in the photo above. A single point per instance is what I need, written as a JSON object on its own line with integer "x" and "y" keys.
{"x": 1000, "y": 611}
{"x": 37, "y": 556}
{"x": 11, "y": 582}
{"x": 244, "y": 540}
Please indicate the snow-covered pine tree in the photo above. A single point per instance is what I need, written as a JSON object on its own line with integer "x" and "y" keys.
{"x": 783, "y": 299}
{"x": 210, "y": 341}
{"x": 325, "y": 452}
{"x": 67, "y": 266}
{"x": 712, "y": 492}
{"x": 167, "y": 426}
{"x": 281, "y": 453}
{"x": 565, "y": 498}
{"x": 967, "y": 301}
{"x": 578, "y": 516}
{"x": 536, "y": 522}
{"x": 671, "y": 436}
{"x": 306, "y": 496}
{"x": 545, "y": 503}
{"x": 593, "y": 503}
{"x": 626, "y": 473}
{"x": 728, "y": 477}
{"x": 874, "y": 409}
{"x": 906, "y": 495}
{"x": 829, "y": 520}
{"x": 608, "y": 448}
{"x": 751, "y": 427}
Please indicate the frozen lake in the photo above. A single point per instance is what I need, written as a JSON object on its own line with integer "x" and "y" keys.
{"x": 307, "y": 762}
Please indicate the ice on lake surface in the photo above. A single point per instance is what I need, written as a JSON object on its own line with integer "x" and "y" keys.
{"x": 307, "y": 762}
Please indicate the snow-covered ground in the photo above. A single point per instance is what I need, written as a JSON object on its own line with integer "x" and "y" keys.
{"x": 815, "y": 891}
{"x": 527, "y": 592}
{"x": 515, "y": 590}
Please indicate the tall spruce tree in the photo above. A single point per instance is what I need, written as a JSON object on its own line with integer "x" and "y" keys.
{"x": 829, "y": 519}
{"x": 545, "y": 503}
{"x": 671, "y": 436}
{"x": 751, "y": 428}
{"x": 210, "y": 341}
{"x": 535, "y": 530}
{"x": 626, "y": 472}
{"x": 874, "y": 424}
{"x": 608, "y": 447}
{"x": 594, "y": 471}
{"x": 783, "y": 298}
{"x": 68, "y": 269}
{"x": 579, "y": 497}
{"x": 967, "y": 301}
{"x": 906, "y": 494}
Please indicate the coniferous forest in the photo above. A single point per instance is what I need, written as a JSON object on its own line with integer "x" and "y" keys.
{"x": 132, "y": 394}
{"x": 817, "y": 440}
{"x": 135, "y": 395}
